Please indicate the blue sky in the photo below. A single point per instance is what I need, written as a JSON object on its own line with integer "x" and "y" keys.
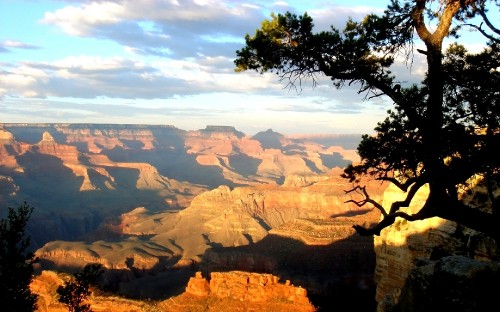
{"x": 168, "y": 62}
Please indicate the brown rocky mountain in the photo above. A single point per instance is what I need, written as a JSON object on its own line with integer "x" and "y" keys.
{"x": 228, "y": 291}
{"x": 436, "y": 264}
{"x": 80, "y": 176}
{"x": 427, "y": 265}
{"x": 275, "y": 227}
{"x": 148, "y": 202}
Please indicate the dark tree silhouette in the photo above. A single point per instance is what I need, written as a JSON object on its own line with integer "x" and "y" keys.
{"x": 442, "y": 133}
{"x": 16, "y": 262}
{"x": 75, "y": 291}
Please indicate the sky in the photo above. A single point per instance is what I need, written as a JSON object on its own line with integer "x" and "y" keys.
{"x": 169, "y": 62}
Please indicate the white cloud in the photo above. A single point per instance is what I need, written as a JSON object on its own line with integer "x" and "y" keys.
{"x": 175, "y": 63}
{"x": 79, "y": 21}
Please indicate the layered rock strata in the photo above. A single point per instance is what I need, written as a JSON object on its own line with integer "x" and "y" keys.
{"x": 79, "y": 175}
{"x": 407, "y": 251}
{"x": 279, "y": 227}
{"x": 247, "y": 287}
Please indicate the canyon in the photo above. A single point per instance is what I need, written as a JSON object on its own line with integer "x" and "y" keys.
{"x": 207, "y": 219}
{"x": 154, "y": 204}
{"x": 80, "y": 176}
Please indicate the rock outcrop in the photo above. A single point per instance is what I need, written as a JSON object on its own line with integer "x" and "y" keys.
{"x": 223, "y": 217}
{"x": 99, "y": 171}
{"x": 247, "y": 287}
{"x": 325, "y": 256}
{"x": 9, "y": 149}
{"x": 454, "y": 283}
{"x": 257, "y": 229}
{"x": 197, "y": 190}
{"x": 226, "y": 292}
{"x": 408, "y": 252}
{"x": 231, "y": 291}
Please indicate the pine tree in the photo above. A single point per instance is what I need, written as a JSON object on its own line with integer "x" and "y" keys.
{"x": 16, "y": 262}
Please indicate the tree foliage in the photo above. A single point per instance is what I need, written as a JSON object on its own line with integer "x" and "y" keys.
{"x": 16, "y": 262}
{"x": 75, "y": 291}
{"x": 441, "y": 132}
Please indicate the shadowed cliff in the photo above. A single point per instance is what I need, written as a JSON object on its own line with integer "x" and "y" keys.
{"x": 77, "y": 176}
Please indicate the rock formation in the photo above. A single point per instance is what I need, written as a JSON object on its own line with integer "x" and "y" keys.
{"x": 97, "y": 171}
{"x": 411, "y": 258}
{"x": 9, "y": 149}
{"x": 276, "y": 224}
{"x": 325, "y": 256}
{"x": 149, "y": 202}
{"x": 225, "y": 292}
{"x": 257, "y": 292}
{"x": 245, "y": 286}
{"x": 222, "y": 217}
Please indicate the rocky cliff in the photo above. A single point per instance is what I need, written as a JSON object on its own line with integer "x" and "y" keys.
{"x": 77, "y": 176}
{"x": 275, "y": 227}
{"x": 231, "y": 217}
{"x": 225, "y": 292}
{"x": 248, "y": 287}
{"x": 325, "y": 256}
{"x": 433, "y": 264}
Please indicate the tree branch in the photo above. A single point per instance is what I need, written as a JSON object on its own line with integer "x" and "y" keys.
{"x": 385, "y": 222}
{"x": 483, "y": 32}
{"x": 488, "y": 22}
{"x": 366, "y": 200}
{"x": 402, "y": 186}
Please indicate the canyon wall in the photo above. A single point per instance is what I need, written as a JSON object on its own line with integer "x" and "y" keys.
{"x": 433, "y": 264}
{"x": 154, "y": 204}
{"x": 302, "y": 233}
{"x": 247, "y": 287}
{"x": 80, "y": 176}
{"x": 229, "y": 291}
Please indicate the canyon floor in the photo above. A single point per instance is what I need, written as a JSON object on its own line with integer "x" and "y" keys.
{"x": 156, "y": 204}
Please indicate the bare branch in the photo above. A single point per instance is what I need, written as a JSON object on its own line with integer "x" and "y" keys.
{"x": 394, "y": 212}
{"x": 366, "y": 200}
{"x": 402, "y": 186}
{"x": 385, "y": 222}
{"x": 483, "y": 32}
{"x": 488, "y": 22}
{"x": 409, "y": 196}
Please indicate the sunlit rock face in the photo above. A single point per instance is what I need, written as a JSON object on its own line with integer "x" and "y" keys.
{"x": 302, "y": 233}
{"x": 223, "y": 217}
{"x": 248, "y": 287}
{"x": 9, "y": 149}
{"x": 408, "y": 251}
{"x": 149, "y": 199}
{"x": 224, "y": 292}
{"x": 323, "y": 254}
{"x": 77, "y": 176}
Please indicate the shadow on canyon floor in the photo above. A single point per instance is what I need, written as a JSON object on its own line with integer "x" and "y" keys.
{"x": 336, "y": 276}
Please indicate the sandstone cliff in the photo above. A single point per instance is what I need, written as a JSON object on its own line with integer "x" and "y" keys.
{"x": 325, "y": 256}
{"x": 245, "y": 286}
{"x": 413, "y": 270}
{"x": 79, "y": 175}
{"x": 225, "y": 292}
{"x": 148, "y": 202}
{"x": 278, "y": 225}
{"x": 223, "y": 217}
{"x": 9, "y": 148}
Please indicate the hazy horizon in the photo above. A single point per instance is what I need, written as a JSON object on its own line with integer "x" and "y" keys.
{"x": 159, "y": 62}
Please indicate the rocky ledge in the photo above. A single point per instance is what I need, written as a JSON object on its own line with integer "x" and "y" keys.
{"x": 260, "y": 291}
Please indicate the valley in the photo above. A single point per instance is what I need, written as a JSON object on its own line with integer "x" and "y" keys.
{"x": 155, "y": 204}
